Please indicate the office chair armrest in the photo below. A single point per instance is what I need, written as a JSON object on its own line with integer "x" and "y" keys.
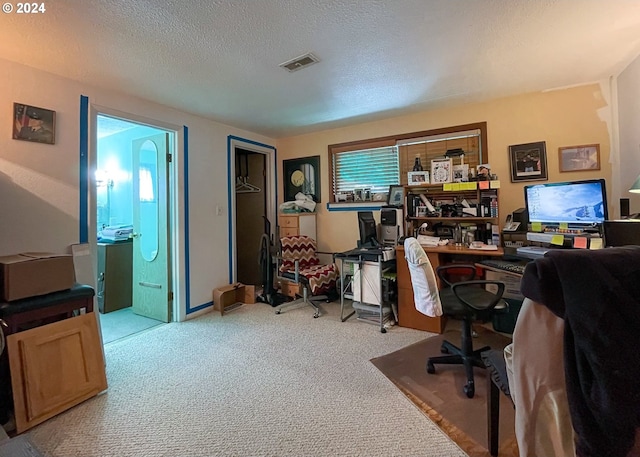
{"x": 458, "y": 290}
{"x": 469, "y": 271}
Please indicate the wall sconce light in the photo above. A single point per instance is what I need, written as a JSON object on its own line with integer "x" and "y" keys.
{"x": 103, "y": 179}
{"x": 635, "y": 187}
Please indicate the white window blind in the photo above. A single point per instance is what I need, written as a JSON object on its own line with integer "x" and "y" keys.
{"x": 376, "y": 168}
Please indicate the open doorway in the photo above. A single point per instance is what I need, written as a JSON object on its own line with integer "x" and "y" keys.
{"x": 132, "y": 184}
{"x": 252, "y": 198}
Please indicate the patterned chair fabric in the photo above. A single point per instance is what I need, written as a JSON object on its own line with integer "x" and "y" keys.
{"x": 321, "y": 278}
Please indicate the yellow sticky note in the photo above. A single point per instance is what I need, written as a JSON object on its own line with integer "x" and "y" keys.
{"x": 494, "y": 184}
{"x": 596, "y": 243}
{"x": 446, "y": 187}
{"x": 483, "y": 184}
{"x": 564, "y": 225}
{"x": 455, "y": 186}
{"x": 536, "y": 226}
{"x": 580, "y": 242}
{"x": 473, "y": 185}
{"x": 557, "y": 240}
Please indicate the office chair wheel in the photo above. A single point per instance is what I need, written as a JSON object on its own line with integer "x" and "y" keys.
{"x": 431, "y": 369}
{"x": 444, "y": 349}
{"x": 316, "y": 315}
{"x": 278, "y": 312}
{"x": 383, "y": 330}
{"x": 469, "y": 389}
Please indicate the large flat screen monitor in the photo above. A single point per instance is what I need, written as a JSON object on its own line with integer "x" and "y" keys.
{"x": 368, "y": 230}
{"x": 575, "y": 203}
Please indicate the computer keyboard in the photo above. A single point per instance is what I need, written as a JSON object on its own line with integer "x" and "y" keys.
{"x": 505, "y": 265}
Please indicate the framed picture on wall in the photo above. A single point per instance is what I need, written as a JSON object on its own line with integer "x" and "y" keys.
{"x": 302, "y": 175}
{"x": 579, "y": 158}
{"x": 528, "y": 161}
{"x": 31, "y": 123}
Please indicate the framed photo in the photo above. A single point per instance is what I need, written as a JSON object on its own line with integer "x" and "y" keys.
{"x": 528, "y": 162}
{"x": 441, "y": 171}
{"x": 302, "y": 175}
{"x": 461, "y": 173}
{"x": 396, "y": 196}
{"x": 579, "y": 158}
{"x": 31, "y": 123}
{"x": 418, "y": 178}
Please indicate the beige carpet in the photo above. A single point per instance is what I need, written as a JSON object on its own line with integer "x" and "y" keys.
{"x": 441, "y": 397}
{"x": 249, "y": 383}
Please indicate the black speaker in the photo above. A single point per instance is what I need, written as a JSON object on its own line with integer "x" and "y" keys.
{"x": 521, "y": 215}
{"x": 624, "y": 207}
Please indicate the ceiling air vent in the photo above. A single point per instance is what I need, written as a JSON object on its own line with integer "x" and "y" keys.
{"x": 299, "y": 62}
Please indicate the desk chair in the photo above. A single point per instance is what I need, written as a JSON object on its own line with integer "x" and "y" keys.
{"x": 464, "y": 298}
{"x": 300, "y": 265}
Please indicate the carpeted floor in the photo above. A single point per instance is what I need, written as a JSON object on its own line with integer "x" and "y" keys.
{"x": 249, "y": 383}
{"x": 440, "y": 395}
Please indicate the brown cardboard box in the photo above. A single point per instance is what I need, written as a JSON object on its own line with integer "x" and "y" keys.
{"x": 226, "y": 296}
{"x": 35, "y": 273}
{"x": 249, "y": 294}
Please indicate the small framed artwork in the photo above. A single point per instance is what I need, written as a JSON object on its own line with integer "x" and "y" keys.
{"x": 302, "y": 175}
{"x": 31, "y": 123}
{"x": 396, "y": 196}
{"x": 579, "y": 158}
{"x": 441, "y": 171}
{"x": 461, "y": 173}
{"x": 528, "y": 161}
{"x": 417, "y": 178}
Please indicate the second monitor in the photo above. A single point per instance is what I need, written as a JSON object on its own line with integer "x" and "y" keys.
{"x": 368, "y": 230}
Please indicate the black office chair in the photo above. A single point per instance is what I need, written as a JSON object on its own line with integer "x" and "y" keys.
{"x": 465, "y": 298}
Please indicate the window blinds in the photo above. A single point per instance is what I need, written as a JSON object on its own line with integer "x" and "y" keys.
{"x": 376, "y": 168}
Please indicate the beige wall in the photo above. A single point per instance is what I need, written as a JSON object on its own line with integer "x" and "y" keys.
{"x": 629, "y": 133}
{"x": 39, "y": 183}
{"x": 568, "y": 117}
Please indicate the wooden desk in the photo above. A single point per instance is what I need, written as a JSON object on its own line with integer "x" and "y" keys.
{"x": 408, "y": 316}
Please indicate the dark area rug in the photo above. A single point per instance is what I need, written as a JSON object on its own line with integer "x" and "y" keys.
{"x": 440, "y": 395}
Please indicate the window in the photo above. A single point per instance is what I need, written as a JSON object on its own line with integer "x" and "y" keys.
{"x": 375, "y": 169}
{"x": 362, "y": 170}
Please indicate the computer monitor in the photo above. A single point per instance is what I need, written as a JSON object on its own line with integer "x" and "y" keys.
{"x": 621, "y": 233}
{"x": 574, "y": 203}
{"x": 368, "y": 230}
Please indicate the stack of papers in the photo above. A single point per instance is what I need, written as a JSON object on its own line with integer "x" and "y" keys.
{"x": 426, "y": 240}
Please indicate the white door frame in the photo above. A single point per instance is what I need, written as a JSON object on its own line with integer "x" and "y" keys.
{"x": 94, "y": 111}
{"x": 270, "y": 192}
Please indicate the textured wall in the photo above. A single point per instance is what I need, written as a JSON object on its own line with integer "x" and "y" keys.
{"x": 568, "y": 117}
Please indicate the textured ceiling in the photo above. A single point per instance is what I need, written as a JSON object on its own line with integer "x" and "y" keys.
{"x": 219, "y": 58}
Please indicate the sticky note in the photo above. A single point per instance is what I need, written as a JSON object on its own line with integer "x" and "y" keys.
{"x": 580, "y": 242}
{"x": 472, "y": 185}
{"x": 557, "y": 240}
{"x": 536, "y": 226}
{"x": 446, "y": 187}
{"x": 455, "y": 186}
{"x": 494, "y": 184}
{"x": 596, "y": 243}
{"x": 564, "y": 225}
{"x": 483, "y": 184}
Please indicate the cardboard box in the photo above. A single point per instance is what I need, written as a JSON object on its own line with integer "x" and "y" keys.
{"x": 511, "y": 282}
{"x": 35, "y": 273}
{"x": 249, "y": 294}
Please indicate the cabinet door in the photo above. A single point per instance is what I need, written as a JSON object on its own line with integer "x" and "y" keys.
{"x": 54, "y": 367}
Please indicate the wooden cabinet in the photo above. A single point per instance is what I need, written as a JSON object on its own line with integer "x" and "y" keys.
{"x": 115, "y": 276}
{"x": 298, "y": 224}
